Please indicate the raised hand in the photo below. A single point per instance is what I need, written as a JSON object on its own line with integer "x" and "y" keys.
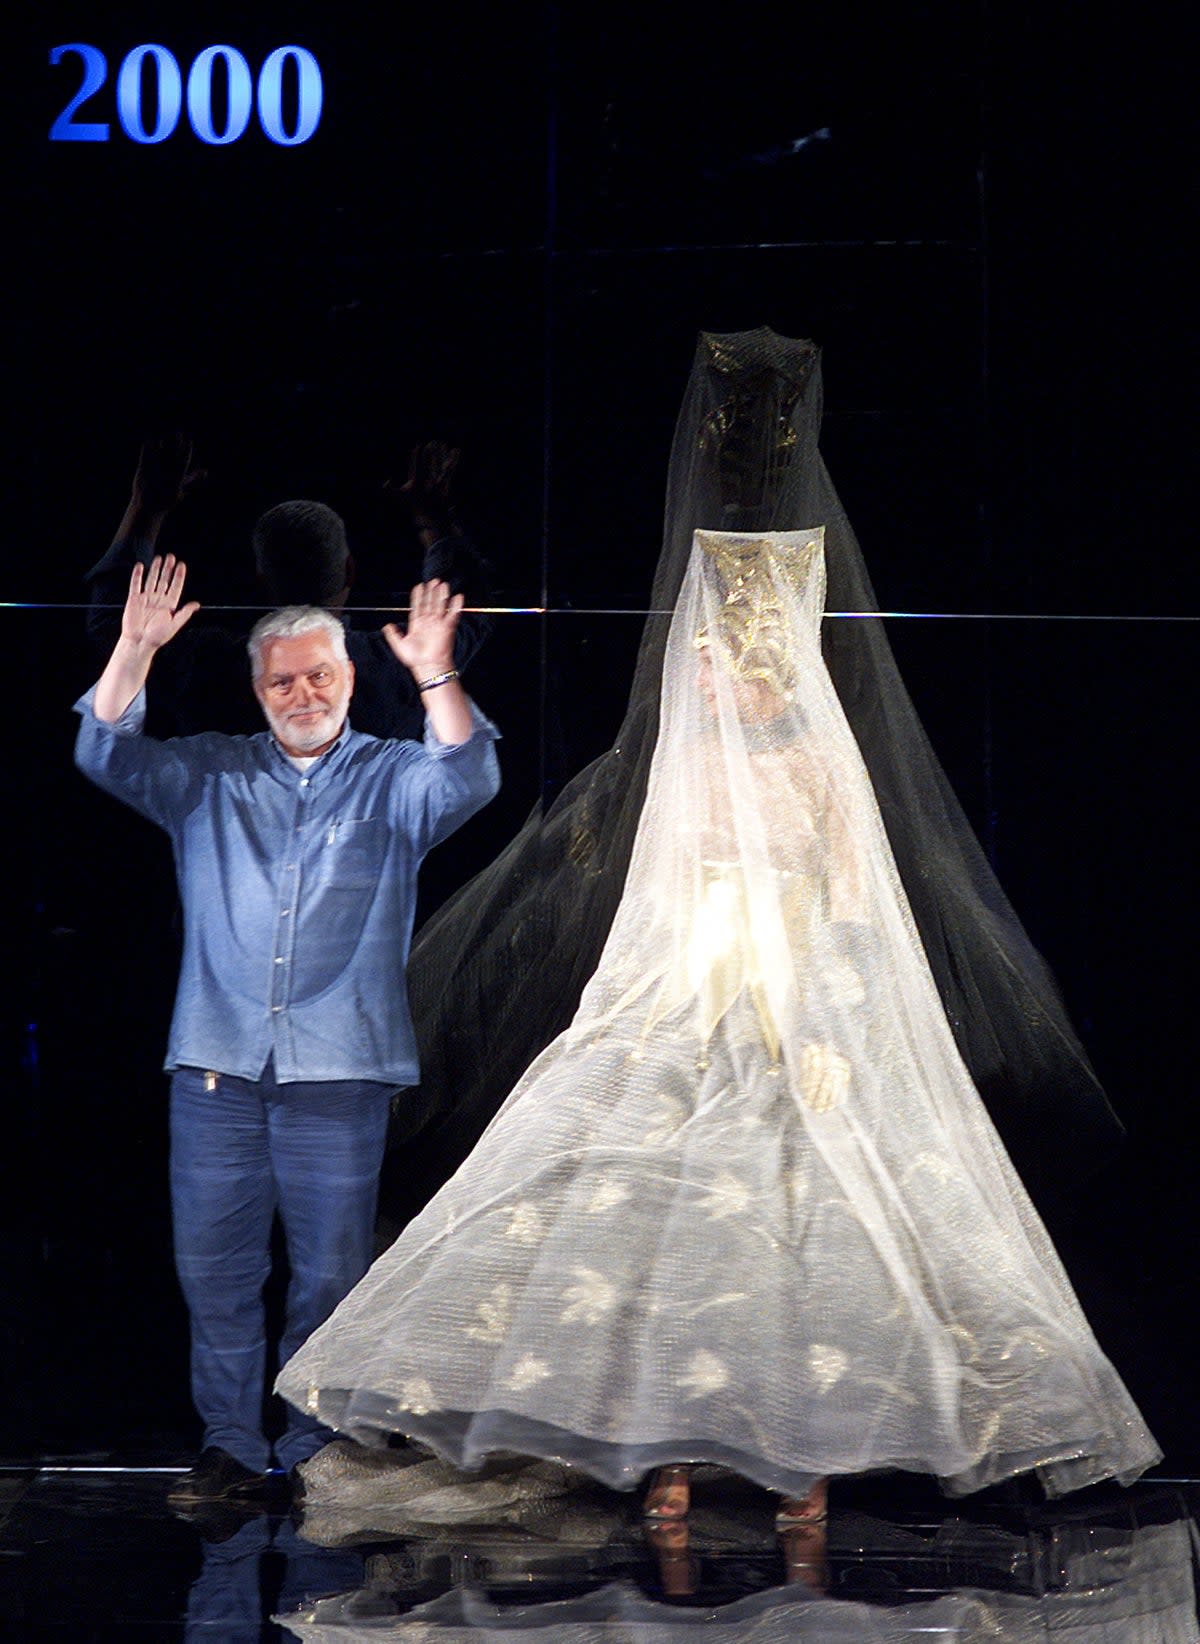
{"x": 153, "y": 613}
{"x": 427, "y": 650}
{"x": 426, "y": 647}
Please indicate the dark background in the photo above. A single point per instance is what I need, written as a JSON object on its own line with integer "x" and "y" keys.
{"x": 507, "y": 232}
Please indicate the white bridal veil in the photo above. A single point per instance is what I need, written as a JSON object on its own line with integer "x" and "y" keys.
{"x": 748, "y": 1208}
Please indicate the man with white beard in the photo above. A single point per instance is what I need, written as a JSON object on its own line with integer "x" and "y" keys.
{"x": 297, "y": 852}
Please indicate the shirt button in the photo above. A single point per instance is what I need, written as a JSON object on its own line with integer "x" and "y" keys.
{"x": 283, "y": 912}
{"x": 275, "y": 1009}
{"x": 279, "y": 961}
{"x": 304, "y": 782}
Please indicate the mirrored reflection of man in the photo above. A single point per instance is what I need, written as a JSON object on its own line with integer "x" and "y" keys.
{"x": 253, "y": 1566}
{"x": 296, "y": 851}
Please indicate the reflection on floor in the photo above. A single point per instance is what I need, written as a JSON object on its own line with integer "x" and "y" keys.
{"x": 94, "y": 1555}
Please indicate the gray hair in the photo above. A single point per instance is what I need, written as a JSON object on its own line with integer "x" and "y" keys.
{"x": 290, "y": 622}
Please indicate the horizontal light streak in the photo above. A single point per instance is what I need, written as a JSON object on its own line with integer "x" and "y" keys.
{"x": 642, "y": 611}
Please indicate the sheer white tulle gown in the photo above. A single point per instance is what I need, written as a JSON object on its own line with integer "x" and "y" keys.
{"x": 748, "y": 1209}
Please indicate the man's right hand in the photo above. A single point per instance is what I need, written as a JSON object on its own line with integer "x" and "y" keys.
{"x": 153, "y": 614}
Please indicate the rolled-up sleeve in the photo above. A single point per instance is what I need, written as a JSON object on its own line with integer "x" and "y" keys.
{"x": 457, "y": 780}
{"x": 151, "y": 777}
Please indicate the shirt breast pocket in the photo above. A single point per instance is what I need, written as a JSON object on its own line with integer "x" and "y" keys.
{"x": 353, "y": 852}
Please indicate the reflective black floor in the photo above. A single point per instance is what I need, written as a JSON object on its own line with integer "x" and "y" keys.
{"x": 97, "y": 1556}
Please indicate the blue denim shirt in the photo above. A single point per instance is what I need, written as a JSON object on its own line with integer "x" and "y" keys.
{"x": 298, "y": 887}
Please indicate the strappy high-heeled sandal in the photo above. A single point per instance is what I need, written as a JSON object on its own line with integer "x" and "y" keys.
{"x": 803, "y": 1510}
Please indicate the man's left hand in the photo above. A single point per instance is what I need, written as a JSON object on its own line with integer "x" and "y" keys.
{"x": 426, "y": 647}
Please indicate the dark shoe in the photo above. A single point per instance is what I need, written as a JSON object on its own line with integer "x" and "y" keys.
{"x": 217, "y": 1476}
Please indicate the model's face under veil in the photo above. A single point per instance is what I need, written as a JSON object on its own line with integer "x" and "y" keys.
{"x": 756, "y": 700}
{"x": 304, "y": 690}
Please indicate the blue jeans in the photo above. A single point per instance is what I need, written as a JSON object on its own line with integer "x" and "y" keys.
{"x": 242, "y": 1149}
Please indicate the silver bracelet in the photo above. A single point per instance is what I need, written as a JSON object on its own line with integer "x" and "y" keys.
{"x": 438, "y": 679}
